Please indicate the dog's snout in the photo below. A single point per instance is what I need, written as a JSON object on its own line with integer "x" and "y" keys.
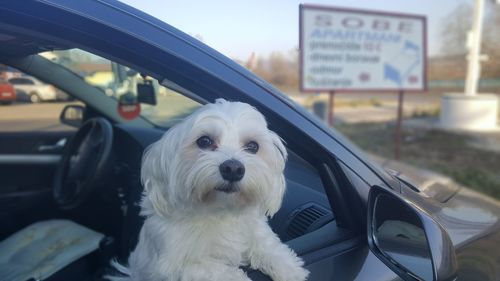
{"x": 232, "y": 170}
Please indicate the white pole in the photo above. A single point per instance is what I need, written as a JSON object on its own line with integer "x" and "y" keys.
{"x": 474, "y": 45}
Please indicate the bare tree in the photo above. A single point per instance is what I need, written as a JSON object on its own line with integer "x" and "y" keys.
{"x": 279, "y": 68}
{"x": 454, "y": 36}
{"x": 491, "y": 33}
{"x": 454, "y": 33}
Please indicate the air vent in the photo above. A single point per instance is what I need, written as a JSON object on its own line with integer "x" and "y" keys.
{"x": 307, "y": 218}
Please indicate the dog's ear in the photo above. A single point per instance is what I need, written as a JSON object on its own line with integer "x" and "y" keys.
{"x": 156, "y": 172}
{"x": 273, "y": 202}
{"x": 154, "y": 179}
{"x": 281, "y": 154}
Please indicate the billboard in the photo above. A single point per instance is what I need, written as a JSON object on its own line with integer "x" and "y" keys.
{"x": 362, "y": 51}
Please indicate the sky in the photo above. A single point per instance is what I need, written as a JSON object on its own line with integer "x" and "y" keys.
{"x": 237, "y": 28}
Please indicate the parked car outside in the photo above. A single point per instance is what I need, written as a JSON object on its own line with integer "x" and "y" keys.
{"x": 33, "y": 90}
{"x": 7, "y": 92}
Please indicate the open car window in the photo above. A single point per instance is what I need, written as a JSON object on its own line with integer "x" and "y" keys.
{"x": 120, "y": 82}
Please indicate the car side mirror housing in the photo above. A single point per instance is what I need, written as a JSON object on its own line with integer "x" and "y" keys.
{"x": 72, "y": 115}
{"x": 407, "y": 239}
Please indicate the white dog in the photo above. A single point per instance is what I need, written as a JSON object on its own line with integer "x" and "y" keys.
{"x": 210, "y": 183}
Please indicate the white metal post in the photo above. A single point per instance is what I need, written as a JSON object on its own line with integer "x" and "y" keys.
{"x": 474, "y": 46}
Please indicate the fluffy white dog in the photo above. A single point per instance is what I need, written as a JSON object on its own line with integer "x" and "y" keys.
{"x": 210, "y": 183}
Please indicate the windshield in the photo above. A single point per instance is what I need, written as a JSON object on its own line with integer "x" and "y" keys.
{"x": 124, "y": 85}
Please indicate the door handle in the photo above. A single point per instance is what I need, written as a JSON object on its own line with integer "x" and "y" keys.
{"x": 54, "y": 147}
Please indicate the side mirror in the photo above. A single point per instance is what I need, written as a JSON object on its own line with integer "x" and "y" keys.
{"x": 72, "y": 115}
{"x": 407, "y": 239}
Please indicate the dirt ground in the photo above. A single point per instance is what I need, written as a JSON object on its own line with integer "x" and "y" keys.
{"x": 459, "y": 156}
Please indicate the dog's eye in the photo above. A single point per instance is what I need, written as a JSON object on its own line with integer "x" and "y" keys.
{"x": 252, "y": 147}
{"x": 204, "y": 142}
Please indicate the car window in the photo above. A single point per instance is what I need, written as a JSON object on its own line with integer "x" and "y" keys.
{"x": 122, "y": 83}
{"x": 30, "y": 106}
{"x": 21, "y": 81}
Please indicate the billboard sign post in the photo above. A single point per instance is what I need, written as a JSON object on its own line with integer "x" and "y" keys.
{"x": 347, "y": 50}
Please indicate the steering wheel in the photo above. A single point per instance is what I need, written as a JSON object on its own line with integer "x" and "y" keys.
{"x": 84, "y": 163}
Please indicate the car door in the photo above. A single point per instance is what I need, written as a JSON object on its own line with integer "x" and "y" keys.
{"x": 31, "y": 142}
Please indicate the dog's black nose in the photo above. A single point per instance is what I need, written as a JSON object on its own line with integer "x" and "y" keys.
{"x": 232, "y": 170}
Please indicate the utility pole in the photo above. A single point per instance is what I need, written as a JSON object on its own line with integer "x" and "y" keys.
{"x": 474, "y": 46}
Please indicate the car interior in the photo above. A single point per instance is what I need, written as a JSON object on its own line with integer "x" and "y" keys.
{"x": 74, "y": 193}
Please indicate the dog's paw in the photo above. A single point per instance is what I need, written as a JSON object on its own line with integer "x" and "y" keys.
{"x": 289, "y": 270}
{"x": 293, "y": 274}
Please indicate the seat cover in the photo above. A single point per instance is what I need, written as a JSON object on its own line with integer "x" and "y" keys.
{"x": 43, "y": 248}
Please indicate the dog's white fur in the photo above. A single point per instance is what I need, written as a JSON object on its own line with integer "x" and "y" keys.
{"x": 194, "y": 232}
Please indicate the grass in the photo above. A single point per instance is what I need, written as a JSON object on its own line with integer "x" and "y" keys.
{"x": 447, "y": 153}
{"x": 341, "y": 102}
{"x": 426, "y": 113}
{"x": 357, "y": 103}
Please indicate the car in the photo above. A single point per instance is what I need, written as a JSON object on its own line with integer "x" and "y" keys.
{"x": 32, "y": 90}
{"x": 7, "y": 93}
{"x": 343, "y": 214}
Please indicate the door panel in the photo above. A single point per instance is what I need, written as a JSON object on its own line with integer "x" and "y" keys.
{"x": 27, "y": 165}
{"x": 28, "y": 159}
{"x": 30, "y": 142}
